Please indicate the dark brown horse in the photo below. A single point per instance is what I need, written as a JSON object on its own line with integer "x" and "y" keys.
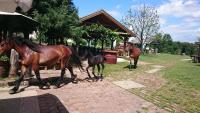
{"x": 94, "y": 60}
{"x": 35, "y": 55}
{"x": 134, "y": 54}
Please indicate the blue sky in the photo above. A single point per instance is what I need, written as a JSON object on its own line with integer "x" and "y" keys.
{"x": 180, "y": 18}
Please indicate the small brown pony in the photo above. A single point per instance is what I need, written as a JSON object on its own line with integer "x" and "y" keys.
{"x": 134, "y": 54}
{"x": 35, "y": 55}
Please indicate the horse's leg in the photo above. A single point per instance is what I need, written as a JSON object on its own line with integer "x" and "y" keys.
{"x": 99, "y": 68}
{"x": 63, "y": 65}
{"x": 130, "y": 64}
{"x": 37, "y": 73}
{"x": 93, "y": 71}
{"x": 73, "y": 76}
{"x": 103, "y": 66}
{"x": 60, "y": 79}
{"x": 17, "y": 82}
{"x": 135, "y": 63}
{"x": 88, "y": 71}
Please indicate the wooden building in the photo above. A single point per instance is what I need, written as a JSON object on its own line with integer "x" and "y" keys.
{"x": 105, "y": 19}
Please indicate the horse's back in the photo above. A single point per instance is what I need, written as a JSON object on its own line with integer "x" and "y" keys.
{"x": 53, "y": 49}
{"x": 53, "y": 53}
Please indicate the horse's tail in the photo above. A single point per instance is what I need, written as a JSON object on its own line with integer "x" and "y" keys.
{"x": 75, "y": 60}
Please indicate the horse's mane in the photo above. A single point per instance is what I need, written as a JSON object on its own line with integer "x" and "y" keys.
{"x": 22, "y": 41}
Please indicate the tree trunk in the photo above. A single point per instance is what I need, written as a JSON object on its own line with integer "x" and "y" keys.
{"x": 141, "y": 47}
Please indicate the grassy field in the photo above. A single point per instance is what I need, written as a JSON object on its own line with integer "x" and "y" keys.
{"x": 176, "y": 87}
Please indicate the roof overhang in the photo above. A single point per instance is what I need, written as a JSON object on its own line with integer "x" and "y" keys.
{"x": 105, "y": 19}
{"x": 17, "y": 22}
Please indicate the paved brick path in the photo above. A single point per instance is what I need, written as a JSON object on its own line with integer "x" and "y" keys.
{"x": 85, "y": 97}
{"x": 99, "y": 97}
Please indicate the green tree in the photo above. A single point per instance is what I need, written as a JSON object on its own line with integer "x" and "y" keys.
{"x": 57, "y": 18}
{"x": 167, "y": 45}
{"x": 99, "y": 35}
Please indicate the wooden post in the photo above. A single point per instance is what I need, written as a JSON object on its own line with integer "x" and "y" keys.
{"x": 14, "y": 64}
{"x": 112, "y": 41}
{"x": 125, "y": 40}
{"x": 102, "y": 44}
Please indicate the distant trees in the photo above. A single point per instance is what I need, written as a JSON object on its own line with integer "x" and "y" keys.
{"x": 144, "y": 21}
{"x": 165, "y": 44}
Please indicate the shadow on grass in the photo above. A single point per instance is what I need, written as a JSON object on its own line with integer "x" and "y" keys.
{"x": 197, "y": 64}
{"x": 128, "y": 67}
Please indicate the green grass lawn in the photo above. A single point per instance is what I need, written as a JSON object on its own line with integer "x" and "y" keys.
{"x": 180, "y": 92}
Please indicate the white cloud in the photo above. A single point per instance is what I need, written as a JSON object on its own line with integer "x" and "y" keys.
{"x": 115, "y": 13}
{"x": 181, "y": 8}
{"x": 181, "y": 18}
{"x": 182, "y": 32}
{"x": 162, "y": 21}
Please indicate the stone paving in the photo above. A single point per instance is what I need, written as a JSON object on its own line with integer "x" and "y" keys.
{"x": 128, "y": 84}
{"x": 86, "y": 96}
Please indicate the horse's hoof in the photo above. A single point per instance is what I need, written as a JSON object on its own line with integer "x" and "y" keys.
{"x": 41, "y": 86}
{"x": 75, "y": 82}
{"x": 56, "y": 86}
{"x": 48, "y": 85}
{"x": 75, "y": 76}
{"x": 73, "y": 79}
{"x": 12, "y": 91}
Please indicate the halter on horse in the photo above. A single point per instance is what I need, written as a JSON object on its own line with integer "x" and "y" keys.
{"x": 35, "y": 55}
{"x": 134, "y": 53}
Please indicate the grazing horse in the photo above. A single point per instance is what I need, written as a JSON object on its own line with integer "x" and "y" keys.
{"x": 93, "y": 61}
{"x": 134, "y": 54}
{"x": 35, "y": 55}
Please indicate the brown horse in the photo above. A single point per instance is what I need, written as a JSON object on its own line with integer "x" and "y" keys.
{"x": 35, "y": 55}
{"x": 134, "y": 54}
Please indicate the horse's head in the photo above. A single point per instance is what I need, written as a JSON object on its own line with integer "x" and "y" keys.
{"x": 5, "y": 46}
